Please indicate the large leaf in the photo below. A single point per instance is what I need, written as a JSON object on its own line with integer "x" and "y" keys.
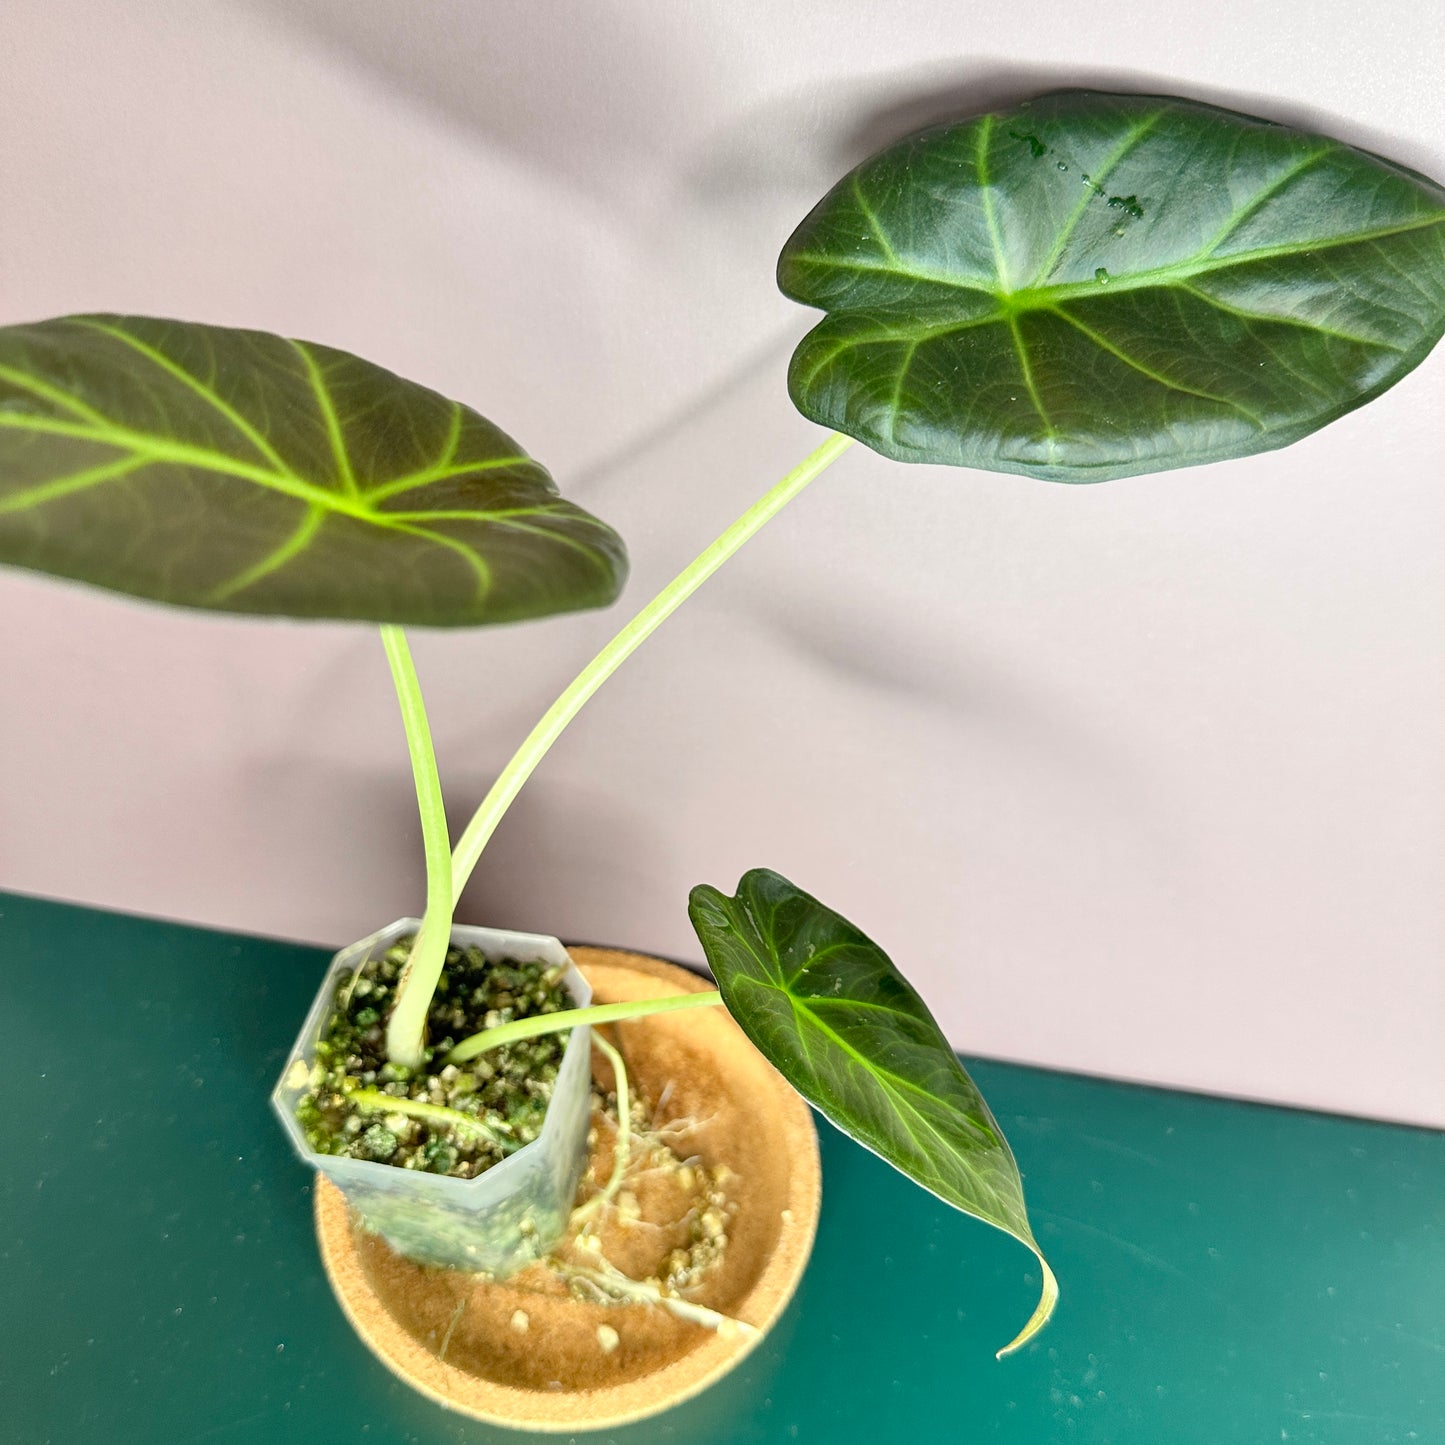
{"x": 1090, "y": 286}
{"x": 831, "y": 1013}
{"x": 245, "y": 472}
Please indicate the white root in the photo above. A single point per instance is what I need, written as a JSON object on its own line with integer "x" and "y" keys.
{"x": 621, "y": 1289}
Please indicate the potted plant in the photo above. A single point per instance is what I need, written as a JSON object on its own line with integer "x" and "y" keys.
{"x": 1079, "y": 288}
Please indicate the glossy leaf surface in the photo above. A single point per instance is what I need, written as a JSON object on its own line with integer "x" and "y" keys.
{"x": 240, "y": 471}
{"x": 1091, "y": 286}
{"x": 833, "y": 1015}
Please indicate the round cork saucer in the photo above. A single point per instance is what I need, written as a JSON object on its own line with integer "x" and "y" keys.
{"x": 525, "y": 1352}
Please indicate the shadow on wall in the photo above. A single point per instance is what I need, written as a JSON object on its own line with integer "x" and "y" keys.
{"x": 335, "y": 832}
{"x": 611, "y": 474}
{"x": 605, "y": 100}
{"x": 1023, "y": 722}
{"x": 587, "y": 93}
{"x": 828, "y": 132}
{"x": 918, "y": 101}
{"x": 567, "y": 856}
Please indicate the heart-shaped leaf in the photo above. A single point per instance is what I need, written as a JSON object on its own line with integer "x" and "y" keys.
{"x": 1091, "y": 286}
{"x": 833, "y": 1015}
{"x": 244, "y": 472}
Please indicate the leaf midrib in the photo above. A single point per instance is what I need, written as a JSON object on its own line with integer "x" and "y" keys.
{"x": 1032, "y": 298}
{"x": 770, "y": 978}
{"x": 152, "y": 450}
{"x": 800, "y": 1005}
{"x": 893, "y": 1086}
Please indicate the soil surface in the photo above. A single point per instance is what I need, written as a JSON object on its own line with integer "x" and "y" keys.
{"x": 474, "y": 1114}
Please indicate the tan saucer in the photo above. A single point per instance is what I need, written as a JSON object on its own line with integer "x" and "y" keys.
{"x": 525, "y": 1353}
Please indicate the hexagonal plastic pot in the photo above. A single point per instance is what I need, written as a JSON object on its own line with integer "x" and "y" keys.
{"x": 517, "y": 1210}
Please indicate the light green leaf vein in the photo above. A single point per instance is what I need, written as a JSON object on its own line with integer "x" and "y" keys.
{"x": 985, "y": 183}
{"x": 1200, "y": 264}
{"x": 1089, "y": 195}
{"x": 56, "y": 396}
{"x": 1266, "y": 193}
{"x": 1275, "y": 318}
{"x": 328, "y": 413}
{"x": 474, "y": 561}
{"x": 1027, "y": 371}
{"x": 59, "y": 487}
{"x": 869, "y": 215}
{"x": 291, "y": 548}
{"x": 162, "y": 449}
{"x": 442, "y": 472}
{"x": 217, "y": 403}
{"x": 1104, "y": 344}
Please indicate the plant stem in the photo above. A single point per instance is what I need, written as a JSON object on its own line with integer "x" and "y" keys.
{"x": 406, "y": 1030}
{"x": 494, "y": 806}
{"x": 573, "y": 1018}
{"x": 375, "y": 1102}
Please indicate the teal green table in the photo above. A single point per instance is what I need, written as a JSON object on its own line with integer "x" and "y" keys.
{"x": 1232, "y": 1275}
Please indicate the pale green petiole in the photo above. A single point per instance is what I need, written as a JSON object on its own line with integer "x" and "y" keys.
{"x": 376, "y": 1102}
{"x": 406, "y": 1030}
{"x": 573, "y": 1018}
{"x": 484, "y": 822}
{"x": 447, "y": 872}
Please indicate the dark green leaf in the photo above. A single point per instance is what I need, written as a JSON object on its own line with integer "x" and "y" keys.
{"x": 831, "y": 1013}
{"x": 1091, "y": 286}
{"x": 244, "y": 472}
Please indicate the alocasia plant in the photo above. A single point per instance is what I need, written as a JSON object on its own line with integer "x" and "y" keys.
{"x": 1082, "y": 287}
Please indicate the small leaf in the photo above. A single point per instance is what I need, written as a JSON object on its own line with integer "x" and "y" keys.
{"x": 244, "y": 472}
{"x": 833, "y": 1015}
{"x": 1091, "y": 286}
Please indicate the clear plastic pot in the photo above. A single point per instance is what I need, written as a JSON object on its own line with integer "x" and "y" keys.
{"x": 504, "y": 1218}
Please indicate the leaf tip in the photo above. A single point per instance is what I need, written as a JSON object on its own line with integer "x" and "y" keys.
{"x": 1048, "y": 1298}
